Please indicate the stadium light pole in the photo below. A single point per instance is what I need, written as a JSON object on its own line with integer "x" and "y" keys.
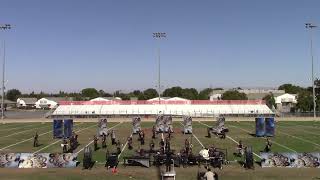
{"x": 311, "y": 26}
{"x": 3, "y": 27}
{"x": 159, "y": 35}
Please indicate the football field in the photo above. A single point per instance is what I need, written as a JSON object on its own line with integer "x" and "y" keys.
{"x": 290, "y": 136}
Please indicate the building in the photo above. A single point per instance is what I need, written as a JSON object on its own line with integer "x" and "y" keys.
{"x": 252, "y": 94}
{"x": 50, "y": 102}
{"x": 286, "y": 102}
{"x": 26, "y": 102}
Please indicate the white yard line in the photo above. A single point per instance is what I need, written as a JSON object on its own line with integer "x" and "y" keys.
{"x": 23, "y": 131}
{"x": 301, "y": 139}
{"x": 124, "y": 147}
{"x": 231, "y": 140}
{"x": 299, "y": 130}
{"x": 196, "y": 138}
{"x": 16, "y": 128}
{"x": 92, "y": 140}
{"x": 60, "y": 140}
{"x": 24, "y": 141}
{"x": 270, "y": 139}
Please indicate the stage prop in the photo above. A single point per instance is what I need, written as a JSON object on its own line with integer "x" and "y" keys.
{"x": 265, "y": 126}
{"x": 38, "y": 160}
{"x": 187, "y": 125}
{"x": 57, "y": 128}
{"x": 164, "y": 124}
{"x": 220, "y": 129}
{"x": 87, "y": 158}
{"x": 270, "y": 127}
{"x": 248, "y": 158}
{"x": 136, "y": 125}
{"x": 290, "y": 160}
{"x": 68, "y": 127}
{"x": 260, "y": 127}
{"x": 102, "y": 127}
{"x": 137, "y": 161}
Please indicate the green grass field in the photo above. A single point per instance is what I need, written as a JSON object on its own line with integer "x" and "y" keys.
{"x": 290, "y": 137}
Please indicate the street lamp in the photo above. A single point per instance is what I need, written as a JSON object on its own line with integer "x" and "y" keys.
{"x": 159, "y": 35}
{"x": 3, "y": 27}
{"x": 311, "y": 26}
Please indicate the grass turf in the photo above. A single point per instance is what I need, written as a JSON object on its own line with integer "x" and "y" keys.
{"x": 290, "y": 137}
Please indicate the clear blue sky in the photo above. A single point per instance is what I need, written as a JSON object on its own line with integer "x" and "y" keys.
{"x": 108, "y": 44}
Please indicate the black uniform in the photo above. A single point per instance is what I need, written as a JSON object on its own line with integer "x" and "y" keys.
{"x": 104, "y": 143}
{"x": 35, "y": 140}
{"x": 95, "y": 142}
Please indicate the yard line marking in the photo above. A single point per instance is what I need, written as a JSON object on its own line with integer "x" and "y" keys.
{"x": 60, "y": 140}
{"x": 299, "y": 129}
{"x": 231, "y": 139}
{"x": 265, "y": 138}
{"x": 24, "y": 131}
{"x": 24, "y": 140}
{"x": 124, "y": 147}
{"x": 196, "y": 138}
{"x": 301, "y": 139}
{"x": 16, "y": 128}
{"x": 92, "y": 140}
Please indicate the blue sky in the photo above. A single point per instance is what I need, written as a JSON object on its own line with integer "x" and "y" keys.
{"x": 108, "y": 44}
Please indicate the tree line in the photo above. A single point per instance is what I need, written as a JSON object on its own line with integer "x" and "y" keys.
{"x": 304, "y": 95}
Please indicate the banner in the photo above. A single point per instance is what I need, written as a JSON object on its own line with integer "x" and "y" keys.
{"x": 270, "y": 126}
{"x": 57, "y": 128}
{"x": 292, "y": 160}
{"x": 9, "y": 160}
{"x": 38, "y": 160}
{"x": 68, "y": 128}
{"x": 260, "y": 127}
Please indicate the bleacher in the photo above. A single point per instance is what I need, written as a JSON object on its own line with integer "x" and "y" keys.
{"x": 192, "y": 108}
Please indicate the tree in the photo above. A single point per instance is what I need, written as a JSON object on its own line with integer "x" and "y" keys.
{"x": 305, "y": 101}
{"x": 173, "y": 92}
{"x": 90, "y": 93}
{"x": 190, "y": 93}
{"x": 13, "y": 94}
{"x": 102, "y": 93}
{"x": 150, "y": 93}
{"x": 234, "y": 95}
{"x": 204, "y": 94}
{"x": 270, "y": 101}
{"x": 291, "y": 89}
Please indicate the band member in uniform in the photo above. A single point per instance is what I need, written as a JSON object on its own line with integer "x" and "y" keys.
{"x": 118, "y": 144}
{"x": 151, "y": 145}
{"x": 113, "y": 137}
{"x": 141, "y": 137}
{"x": 153, "y": 132}
{"x": 187, "y": 146}
{"x": 268, "y": 146}
{"x": 95, "y": 142}
{"x": 64, "y": 146}
{"x": 130, "y": 143}
{"x": 104, "y": 141}
{"x": 240, "y": 148}
{"x": 161, "y": 143}
{"x": 35, "y": 140}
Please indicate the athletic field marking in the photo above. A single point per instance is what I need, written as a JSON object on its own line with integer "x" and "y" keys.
{"x": 231, "y": 140}
{"x": 301, "y": 139}
{"x": 60, "y": 140}
{"x": 265, "y": 138}
{"x": 124, "y": 146}
{"x": 24, "y": 140}
{"x": 24, "y": 131}
{"x": 16, "y": 128}
{"x": 290, "y": 127}
{"x": 196, "y": 138}
{"x": 92, "y": 140}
